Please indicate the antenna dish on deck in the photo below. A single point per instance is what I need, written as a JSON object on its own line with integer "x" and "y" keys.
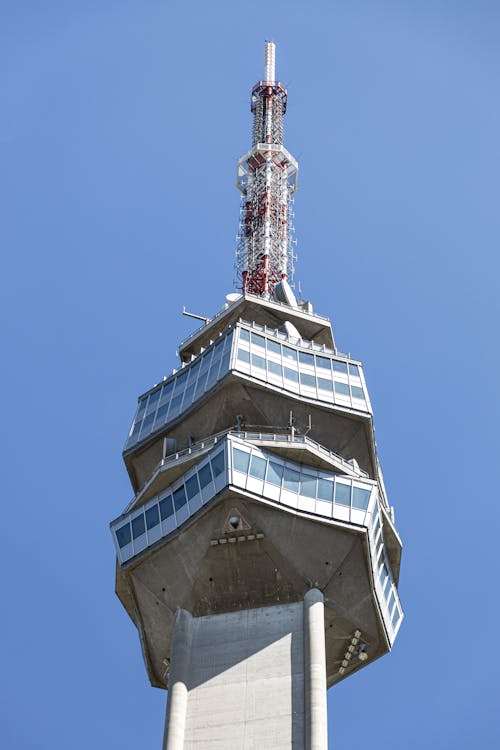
{"x": 283, "y": 293}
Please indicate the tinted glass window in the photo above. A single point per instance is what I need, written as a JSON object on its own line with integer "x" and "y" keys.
{"x": 240, "y": 460}
{"x": 342, "y": 389}
{"x": 353, "y": 369}
{"x": 274, "y": 473}
{"x": 360, "y": 498}
{"x": 323, "y": 362}
{"x": 181, "y": 380}
{"x": 243, "y": 356}
{"x": 308, "y": 485}
{"x": 291, "y": 479}
{"x": 123, "y": 535}
{"x": 308, "y": 380}
{"x": 325, "y": 385}
{"x": 395, "y": 617}
{"x": 273, "y": 346}
{"x": 137, "y": 427}
{"x": 153, "y": 398}
{"x": 166, "y": 392}
{"x": 146, "y": 425}
{"x": 138, "y": 526}
{"x": 292, "y": 375}
{"x": 258, "y": 467}
{"x": 166, "y": 507}
{"x": 306, "y": 359}
{"x": 244, "y": 335}
{"x": 161, "y": 413}
{"x": 192, "y": 487}
{"x": 289, "y": 353}
{"x": 141, "y": 408}
{"x": 258, "y": 340}
{"x": 218, "y": 463}
{"x": 342, "y": 494}
{"x": 205, "y": 475}
{"x": 325, "y": 489}
{"x": 339, "y": 366}
{"x": 179, "y": 498}
{"x": 392, "y": 601}
{"x": 152, "y": 517}
{"x": 258, "y": 361}
{"x": 273, "y": 367}
{"x": 357, "y": 392}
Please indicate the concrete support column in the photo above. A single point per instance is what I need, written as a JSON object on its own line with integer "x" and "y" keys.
{"x": 175, "y": 725}
{"x": 315, "y": 671}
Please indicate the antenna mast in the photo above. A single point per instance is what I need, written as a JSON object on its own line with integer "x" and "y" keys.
{"x": 267, "y": 179}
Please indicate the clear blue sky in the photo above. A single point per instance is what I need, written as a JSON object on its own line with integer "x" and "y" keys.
{"x": 122, "y": 122}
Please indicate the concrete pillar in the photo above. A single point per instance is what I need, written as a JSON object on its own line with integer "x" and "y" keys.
{"x": 315, "y": 671}
{"x": 175, "y": 725}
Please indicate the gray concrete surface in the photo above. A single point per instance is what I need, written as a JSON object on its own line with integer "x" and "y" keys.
{"x": 249, "y": 679}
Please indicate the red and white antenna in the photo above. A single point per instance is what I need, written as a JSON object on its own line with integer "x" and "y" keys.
{"x": 267, "y": 179}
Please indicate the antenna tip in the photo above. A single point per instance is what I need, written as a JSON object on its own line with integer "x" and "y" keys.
{"x": 269, "y": 70}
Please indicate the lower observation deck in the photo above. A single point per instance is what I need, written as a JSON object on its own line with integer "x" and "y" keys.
{"x": 243, "y": 469}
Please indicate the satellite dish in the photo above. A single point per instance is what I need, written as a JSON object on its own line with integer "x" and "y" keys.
{"x": 290, "y": 330}
{"x": 283, "y": 293}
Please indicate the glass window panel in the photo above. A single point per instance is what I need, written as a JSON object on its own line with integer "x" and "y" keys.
{"x": 161, "y": 413}
{"x": 392, "y": 602}
{"x": 180, "y": 498}
{"x": 192, "y": 486}
{"x": 174, "y": 406}
{"x": 153, "y": 398}
{"x": 137, "y": 428}
{"x": 290, "y": 354}
{"x": 273, "y": 346}
{"x": 258, "y": 361}
{"x": 308, "y": 380}
{"x": 152, "y": 517}
{"x": 308, "y": 485}
{"x": 148, "y": 423}
{"x": 258, "y": 340}
{"x": 141, "y": 408}
{"x": 123, "y": 535}
{"x": 225, "y": 363}
{"x": 323, "y": 362}
{"x": 180, "y": 381}
{"x": 244, "y": 356}
{"x": 258, "y": 467}
{"x": 240, "y": 460}
{"x": 166, "y": 507}
{"x": 306, "y": 359}
{"x": 325, "y": 385}
{"x": 339, "y": 366}
{"x": 205, "y": 475}
{"x": 354, "y": 370}
{"x": 360, "y": 498}
{"x": 342, "y": 493}
{"x": 291, "y": 374}
{"x": 274, "y": 473}
{"x": 291, "y": 479}
{"x": 395, "y": 617}
{"x": 384, "y": 574}
{"x": 357, "y": 392}
{"x": 325, "y": 489}
{"x": 217, "y": 463}
{"x": 387, "y": 587}
{"x": 341, "y": 388}
{"x": 273, "y": 367}
{"x": 244, "y": 335}
{"x": 138, "y": 526}
{"x": 194, "y": 370}
{"x": 166, "y": 392}
{"x": 188, "y": 395}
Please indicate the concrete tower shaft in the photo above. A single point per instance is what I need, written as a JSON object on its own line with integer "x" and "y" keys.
{"x": 266, "y": 177}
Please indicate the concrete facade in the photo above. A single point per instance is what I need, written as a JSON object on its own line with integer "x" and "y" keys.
{"x": 249, "y": 679}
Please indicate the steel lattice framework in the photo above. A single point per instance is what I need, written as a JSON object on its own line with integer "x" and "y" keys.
{"x": 267, "y": 179}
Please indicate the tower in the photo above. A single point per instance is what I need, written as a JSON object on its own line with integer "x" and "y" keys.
{"x": 258, "y": 558}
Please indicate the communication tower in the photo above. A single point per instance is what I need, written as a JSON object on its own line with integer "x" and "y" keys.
{"x": 258, "y": 558}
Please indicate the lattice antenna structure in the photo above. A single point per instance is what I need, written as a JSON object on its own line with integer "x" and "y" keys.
{"x": 267, "y": 179}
